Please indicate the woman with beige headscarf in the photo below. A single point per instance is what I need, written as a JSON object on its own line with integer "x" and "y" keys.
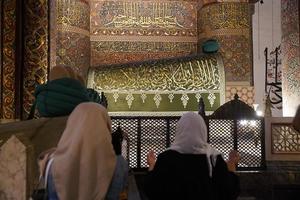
{"x": 191, "y": 169}
{"x": 84, "y": 160}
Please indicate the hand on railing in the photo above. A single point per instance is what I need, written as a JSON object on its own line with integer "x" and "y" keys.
{"x": 151, "y": 159}
{"x": 233, "y": 160}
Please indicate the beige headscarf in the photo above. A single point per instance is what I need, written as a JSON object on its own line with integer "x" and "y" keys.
{"x": 84, "y": 161}
{"x": 191, "y": 138}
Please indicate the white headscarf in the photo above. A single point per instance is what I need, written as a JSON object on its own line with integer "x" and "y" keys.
{"x": 191, "y": 138}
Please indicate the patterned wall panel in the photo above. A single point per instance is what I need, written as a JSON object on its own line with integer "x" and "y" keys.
{"x": 290, "y": 56}
{"x": 160, "y": 29}
{"x": 8, "y": 62}
{"x": 1, "y": 13}
{"x": 285, "y": 139}
{"x": 72, "y": 51}
{"x": 71, "y": 35}
{"x": 35, "y": 51}
{"x": 230, "y": 24}
{"x": 246, "y": 93}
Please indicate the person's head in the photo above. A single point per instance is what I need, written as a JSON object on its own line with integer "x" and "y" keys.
{"x": 191, "y": 133}
{"x": 92, "y": 114}
{"x": 84, "y": 160}
{"x": 117, "y": 138}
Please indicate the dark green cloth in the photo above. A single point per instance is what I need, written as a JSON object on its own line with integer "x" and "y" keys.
{"x": 94, "y": 95}
{"x": 59, "y": 97}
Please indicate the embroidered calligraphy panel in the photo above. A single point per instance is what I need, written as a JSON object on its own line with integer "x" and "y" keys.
{"x": 159, "y": 86}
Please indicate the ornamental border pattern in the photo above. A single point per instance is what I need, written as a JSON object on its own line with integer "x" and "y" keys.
{"x": 72, "y": 29}
{"x": 221, "y": 32}
{"x": 36, "y": 52}
{"x": 8, "y": 76}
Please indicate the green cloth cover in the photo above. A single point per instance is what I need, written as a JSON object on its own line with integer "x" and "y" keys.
{"x": 59, "y": 97}
{"x": 94, "y": 95}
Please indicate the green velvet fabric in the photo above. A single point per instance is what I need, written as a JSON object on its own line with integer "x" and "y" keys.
{"x": 59, "y": 97}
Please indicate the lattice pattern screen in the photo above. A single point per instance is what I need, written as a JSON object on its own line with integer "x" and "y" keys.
{"x": 285, "y": 139}
{"x": 173, "y": 123}
{"x": 145, "y": 134}
{"x": 249, "y": 142}
{"x": 221, "y": 135}
{"x": 129, "y": 146}
{"x": 153, "y": 137}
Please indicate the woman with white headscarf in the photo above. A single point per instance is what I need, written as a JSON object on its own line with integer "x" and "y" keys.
{"x": 191, "y": 169}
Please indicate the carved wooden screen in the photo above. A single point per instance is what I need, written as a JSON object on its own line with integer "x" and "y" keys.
{"x": 236, "y": 126}
{"x": 145, "y": 134}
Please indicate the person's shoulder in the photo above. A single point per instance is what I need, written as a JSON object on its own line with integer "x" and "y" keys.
{"x": 220, "y": 163}
{"x": 169, "y": 153}
{"x": 177, "y": 155}
{"x": 220, "y": 159}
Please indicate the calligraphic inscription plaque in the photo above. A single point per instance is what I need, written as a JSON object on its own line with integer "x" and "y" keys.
{"x": 144, "y": 18}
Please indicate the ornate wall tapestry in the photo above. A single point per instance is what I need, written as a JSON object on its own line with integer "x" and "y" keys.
{"x": 70, "y": 34}
{"x": 290, "y": 56}
{"x": 123, "y": 31}
{"x": 230, "y": 25}
{"x": 35, "y": 50}
{"x": 246, "y": 93}
{"x": 166, "y": 87}
{"x": 8, "y": 59}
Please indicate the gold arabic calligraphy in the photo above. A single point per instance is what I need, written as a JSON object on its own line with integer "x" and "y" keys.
{"x": 194, "y": 75}
{"x": 132, "y": 16}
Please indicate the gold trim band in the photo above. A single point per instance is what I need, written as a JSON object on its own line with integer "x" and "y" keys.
{"x": 72, "y": 29}
{"x": 219, "y": 32}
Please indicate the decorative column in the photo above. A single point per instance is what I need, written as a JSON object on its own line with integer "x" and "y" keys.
{"x": 70, "y": 34}
{"x": 230, "y": 24}
{"x": 36, "y": 45}
{"x": 8, "y": 33}
{"x": 290, "y": 56}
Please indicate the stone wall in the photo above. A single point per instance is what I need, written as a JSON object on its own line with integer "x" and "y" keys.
{"x": 20, "y": 144}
